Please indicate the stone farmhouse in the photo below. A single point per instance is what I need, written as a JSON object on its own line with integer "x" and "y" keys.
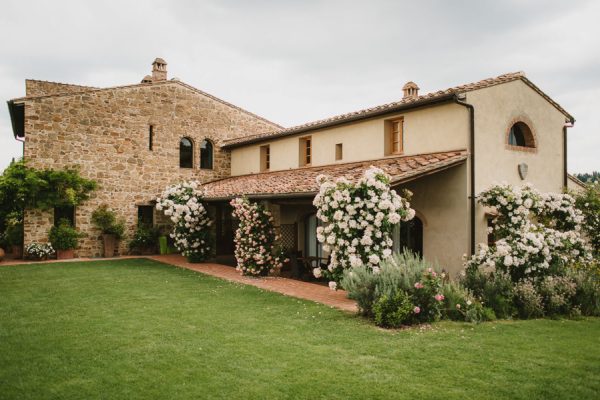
{"x": 445, "y": 147}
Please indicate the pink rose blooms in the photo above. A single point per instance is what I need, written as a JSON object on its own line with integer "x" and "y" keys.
{"x": 418, "y": 285}
{"x": 439, "y": 297}
{"x": 417, "y": 310}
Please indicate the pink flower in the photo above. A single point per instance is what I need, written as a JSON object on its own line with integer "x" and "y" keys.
{"x": 439, "y": 297}
{"x": 417, "y": 310}
{"x": 418, "y": 285}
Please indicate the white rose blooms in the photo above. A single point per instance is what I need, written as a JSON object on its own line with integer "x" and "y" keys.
{"x": 358, "y": 219}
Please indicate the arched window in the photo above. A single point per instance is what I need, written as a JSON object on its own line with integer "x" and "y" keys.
{"x": 520, "y": 135}
{"x": 206, "y": 154}
{"x": 186, "y": 153}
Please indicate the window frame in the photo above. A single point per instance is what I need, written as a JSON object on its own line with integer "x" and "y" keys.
{"x": 528, "y": 136}
{"x": 57, "y": 219}
{"x": 192, "y": 152}
{"x": 306, "y": 153}
{"x": 265, "y": 158}
{"x": 339, "y": 151}
{"x": 212, "y": 154}
{"x": 400, "y": 135}
{"x": 391, "y": 134}
{"x": 148, "y": 207}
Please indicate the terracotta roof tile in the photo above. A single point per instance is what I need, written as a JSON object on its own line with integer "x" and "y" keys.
{"x": 390, "y": 107}
{"x": 302, "y": 181}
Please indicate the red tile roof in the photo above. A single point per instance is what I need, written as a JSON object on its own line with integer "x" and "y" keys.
{"x": 302, "y": 181}
{"x": 405, "y": 103}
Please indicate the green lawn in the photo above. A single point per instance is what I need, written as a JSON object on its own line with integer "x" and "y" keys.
{"x": 138, "y": 329}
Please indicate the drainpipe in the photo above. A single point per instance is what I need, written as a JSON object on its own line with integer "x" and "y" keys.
{"x": 568, "y": 124}
{"x": 472, "y": 196}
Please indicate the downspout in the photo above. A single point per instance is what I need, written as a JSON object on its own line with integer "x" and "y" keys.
{"x": 567, "y": 125}
{"x": 472, "y": 196}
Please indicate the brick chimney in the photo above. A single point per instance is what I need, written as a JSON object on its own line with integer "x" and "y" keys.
{"x": 411, "y": 90}
{"x": 159, "y": 70}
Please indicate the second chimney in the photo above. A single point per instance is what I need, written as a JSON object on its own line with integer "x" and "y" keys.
{"x": 159, "y": 70}
{"x": 411, "y": 90}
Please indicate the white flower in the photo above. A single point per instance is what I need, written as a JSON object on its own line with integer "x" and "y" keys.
{"x": 332, "y": 285}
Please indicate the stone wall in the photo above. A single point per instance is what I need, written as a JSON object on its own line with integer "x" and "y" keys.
{"x": 105, "y": 132}
{"x": 42, "y": 88}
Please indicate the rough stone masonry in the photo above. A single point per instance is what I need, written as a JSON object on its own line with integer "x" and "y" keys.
{"x": 105, "y": 132}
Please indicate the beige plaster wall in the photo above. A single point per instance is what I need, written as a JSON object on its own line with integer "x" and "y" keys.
{"x": 441, "y": 201}
{"x": 496, "y": 109}
{"x": 432, "y": 129}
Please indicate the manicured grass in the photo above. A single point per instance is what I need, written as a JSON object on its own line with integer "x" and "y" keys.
{"x": 138, "y": 329}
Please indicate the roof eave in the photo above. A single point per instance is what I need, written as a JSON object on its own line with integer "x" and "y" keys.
{"x": 548, "y": 99}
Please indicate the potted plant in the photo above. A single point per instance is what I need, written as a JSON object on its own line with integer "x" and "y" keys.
{"x": 112, "y": 229}
{"x": 64, "y": 239}
{"x": 145, "y": 240}
{"x": 39, "y": 251}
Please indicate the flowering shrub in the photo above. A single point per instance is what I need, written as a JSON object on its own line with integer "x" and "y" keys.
{"x": 358, "y": 219}
{"x": 461, "y": 305}
{"x": 588, "y": 203}
{"x": 39, "y": 251}
{"x": 538, "y": 233}
{"x": 183, "y": 204}
{"x": 427, "y": 296}
{"x": 255, "y": 239}
{"x": 404, "y": 290}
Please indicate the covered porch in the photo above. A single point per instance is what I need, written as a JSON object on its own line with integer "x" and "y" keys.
{"x": 289, "y": 194}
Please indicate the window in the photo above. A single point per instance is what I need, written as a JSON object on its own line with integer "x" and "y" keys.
{"x": 65, "y": 212}
{"x": 206, "y": 154}
{"x": 145, "y": 216}
{"x": 339, "y": 152}
{"x": 150, "y": 137}
{"x": 305, "y": 151}
{"x": 265, "y": 158}
{"x": 395, "y": 137}
{"x": 520, "y": 135}
{"x": 409, "y": 235}
{"x": 186, "y": 153}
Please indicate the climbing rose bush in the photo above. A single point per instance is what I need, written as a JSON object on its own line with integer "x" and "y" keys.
{"x": 358, "y": 219}
{"x": 255, "y": 239}
{"x": 537, "y": 232}
{"x": 191, "y": 224}
{"x": 589, "y": 204}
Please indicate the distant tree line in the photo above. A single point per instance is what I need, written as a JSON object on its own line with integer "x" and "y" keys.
{"x": 589, "y": 177}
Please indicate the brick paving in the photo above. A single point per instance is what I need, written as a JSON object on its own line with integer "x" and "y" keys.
{"x": 289, "y": 287}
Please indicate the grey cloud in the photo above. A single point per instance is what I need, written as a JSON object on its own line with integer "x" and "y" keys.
{"x": 294, "y": 61}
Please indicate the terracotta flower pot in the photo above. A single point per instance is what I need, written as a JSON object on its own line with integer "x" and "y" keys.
{"x": 1, "y": 254}
{"x": 110, "y": 243}
{"x": 64, "y": 254}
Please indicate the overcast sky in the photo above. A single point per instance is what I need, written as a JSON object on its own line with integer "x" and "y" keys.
{"x": 297, "y": 61}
